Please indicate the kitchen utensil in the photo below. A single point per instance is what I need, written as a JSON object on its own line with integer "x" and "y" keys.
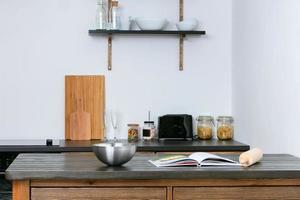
{"x": 187, "y": 25}
{"x": 91, "y": 90}
{"x": 80, "y": 123}
{"x": 114, "y": 154}
{"x": 151, "y": 23}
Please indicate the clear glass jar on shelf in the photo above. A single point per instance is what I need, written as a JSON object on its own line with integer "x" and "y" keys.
{"x": 133, "y": 132}
{"x": 148, "y": 130}
{"x": 225, "y": 128}
{"x": 205, "y": 127}
{"x": 114, "y": 18}
{"x": 101, "y": 19}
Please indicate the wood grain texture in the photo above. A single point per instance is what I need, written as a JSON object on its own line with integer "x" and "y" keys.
{"x": 80, "y": 126}
{"x": 236, "y": 193}
{"x": 21, "y": 190}
{"x": 87, "y": 166}
{"x": 91, "y": 89}
{"x": 80, "y": 123}
{"x": 169, "y": 193}
{"x": 166, "y": 183}
{"x": 134, "y": 193}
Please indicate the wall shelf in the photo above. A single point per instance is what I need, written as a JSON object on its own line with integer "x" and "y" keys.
{"x": 181, "y": 34}
{"x": 137, "y": 32}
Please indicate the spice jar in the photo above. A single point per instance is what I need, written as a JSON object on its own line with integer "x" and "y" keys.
{"x": 205, "y": 127}
{"x": 148, "y": 130}
{"x": 133, "y": 132}
{"x": 225, "y": 128}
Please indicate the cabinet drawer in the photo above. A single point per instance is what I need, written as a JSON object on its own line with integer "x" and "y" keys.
{"x": 123, "y": 193}
{"x": 236, "y": 193}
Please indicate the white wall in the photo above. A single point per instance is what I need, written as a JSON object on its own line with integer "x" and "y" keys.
{"x": 41, "y": 41}
{"x": 266, "y": 92}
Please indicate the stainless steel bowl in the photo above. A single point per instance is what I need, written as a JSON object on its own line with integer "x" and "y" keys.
{"x": 114, "y": 154}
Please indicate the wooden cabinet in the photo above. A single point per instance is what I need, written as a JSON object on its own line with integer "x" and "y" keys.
{"x": 124, "y": 193}
{"x": 235, "y": 193}
{"x": 161, "y": 189}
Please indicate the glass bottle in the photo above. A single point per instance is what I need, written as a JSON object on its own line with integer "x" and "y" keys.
{"x": 225, "y": 128}
{"x": 205, "y": 127}
{"x": 101, "y": 19}
{"x": 114, "y": 16}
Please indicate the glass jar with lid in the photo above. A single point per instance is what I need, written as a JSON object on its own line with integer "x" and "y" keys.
{"x": 133, "y": 132}
{"x": 205, "y": 127}
{"x": 225, "y": 128}
{"x": 148, "y": 130}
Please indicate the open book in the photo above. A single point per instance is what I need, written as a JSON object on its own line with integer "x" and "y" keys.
{"x": 195, "y": 159}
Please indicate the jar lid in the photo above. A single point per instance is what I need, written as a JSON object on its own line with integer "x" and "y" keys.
{"x": 205, "y": 118}
{"x": 114, "y": 4}
{"x": 132, "y": 124}
{"x": 148, "y": 122}
{"x": 225, "y": 118}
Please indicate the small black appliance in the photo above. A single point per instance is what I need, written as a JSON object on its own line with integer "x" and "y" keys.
{"x": 175, "y": 127}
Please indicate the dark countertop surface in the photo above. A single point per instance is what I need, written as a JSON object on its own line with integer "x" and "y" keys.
{"x": 86, "y": 166}
{"x": 39, "y": 146}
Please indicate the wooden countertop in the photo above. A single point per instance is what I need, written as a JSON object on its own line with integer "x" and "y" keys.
{"x": 86, "y": 166}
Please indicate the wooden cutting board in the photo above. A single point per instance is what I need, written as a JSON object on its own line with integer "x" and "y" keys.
{"x": 80, "y": 123}
{"x": 91, "y": 89}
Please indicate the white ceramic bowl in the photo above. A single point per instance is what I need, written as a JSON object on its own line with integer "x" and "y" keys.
{"x": 187, "y": 25}
{"x": 151, "y": 23}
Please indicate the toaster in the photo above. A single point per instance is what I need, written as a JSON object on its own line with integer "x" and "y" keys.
{"x": 175, "y": 127}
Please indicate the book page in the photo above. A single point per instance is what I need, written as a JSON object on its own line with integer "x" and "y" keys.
{"x": 202, "y": 157}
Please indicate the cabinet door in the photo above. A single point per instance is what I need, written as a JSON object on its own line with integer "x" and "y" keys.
{"x": 130, "y": 193}
{"x": 236, "y": 193}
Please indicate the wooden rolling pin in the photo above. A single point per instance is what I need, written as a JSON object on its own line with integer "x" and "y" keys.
{"x": 80, "y": 123}
{"x": 251, "y": 157}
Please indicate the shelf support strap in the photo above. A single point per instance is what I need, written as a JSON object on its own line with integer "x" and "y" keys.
{"x": 109, "y": 41}
{"x": 181, "y": 39}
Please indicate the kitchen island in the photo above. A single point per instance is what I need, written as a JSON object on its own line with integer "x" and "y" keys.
{"x": 82, "y": 176}
{"x": 9, "y": 149}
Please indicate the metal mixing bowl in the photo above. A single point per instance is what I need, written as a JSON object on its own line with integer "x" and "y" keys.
{"x": 114, "y": 154}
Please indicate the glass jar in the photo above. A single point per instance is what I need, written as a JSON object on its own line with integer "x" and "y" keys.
{"x": 101, "y": 19}
{"x": 225, "y": 128}
{"x": 133, "y": 132}
{"x": 114, "y": 16}
{"x": 148, "y": 130}
{"x": 205, "y": 127}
